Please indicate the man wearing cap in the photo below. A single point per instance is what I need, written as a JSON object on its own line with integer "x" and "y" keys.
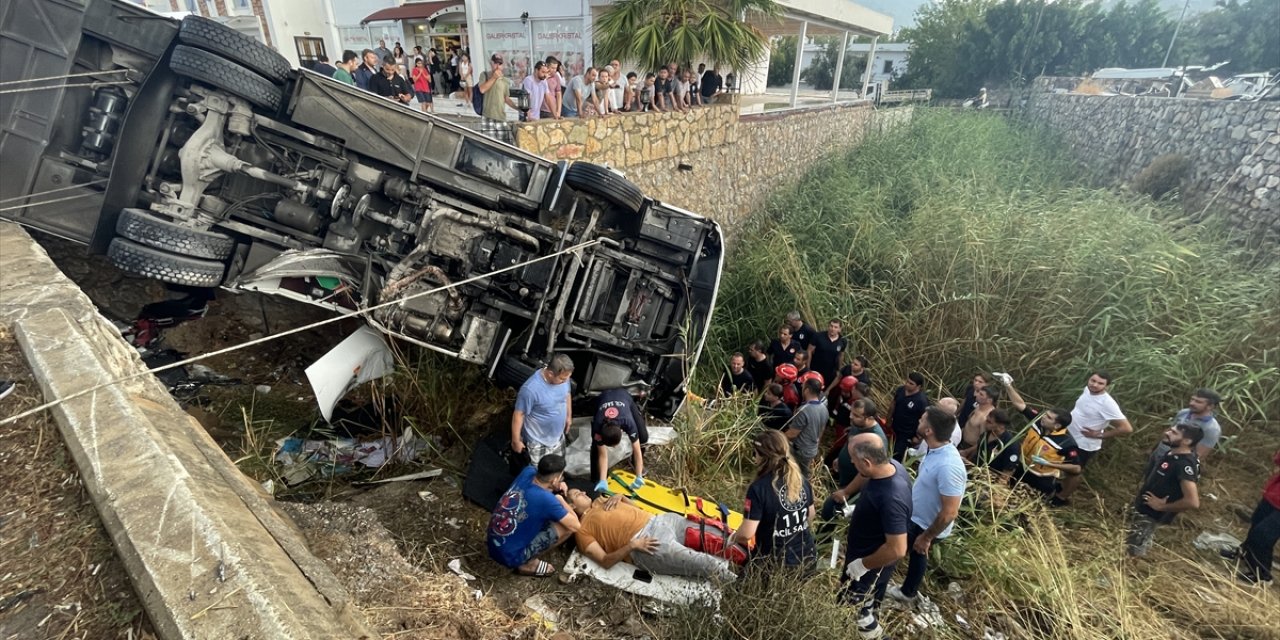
{"x": 496, "y": 88}
{"x": 617, "y": 413}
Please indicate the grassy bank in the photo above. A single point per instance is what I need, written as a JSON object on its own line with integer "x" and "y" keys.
{"x": 962, "y": 243}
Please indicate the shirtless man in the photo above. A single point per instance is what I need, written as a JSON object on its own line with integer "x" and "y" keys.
{"x": 985, "y": 398}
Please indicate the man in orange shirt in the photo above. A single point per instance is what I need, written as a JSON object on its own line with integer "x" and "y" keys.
{"x": 614, "y": 530}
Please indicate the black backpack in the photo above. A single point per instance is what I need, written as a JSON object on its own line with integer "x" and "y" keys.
{"x": 477, "y": 98}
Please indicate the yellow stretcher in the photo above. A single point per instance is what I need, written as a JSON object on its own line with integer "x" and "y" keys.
{"x": 657, "y": 499}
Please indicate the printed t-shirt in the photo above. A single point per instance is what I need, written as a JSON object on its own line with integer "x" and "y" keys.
{"x": 612, "y": 529}
{"x": 1092, "y": 412}
{"x": 941, "y": 473}
{"x": 1165, "y": 481}
{"x": 544, "y": 407}
{"x": 804, "y": 335}
{"x": 883, "y": 509}
{"x": 616, "y": 404}
{"x": 784, "y": 531}
{"x": 522, "y": 513}
{"x": 907, "y": 410}
{"x": 783, "y": 355}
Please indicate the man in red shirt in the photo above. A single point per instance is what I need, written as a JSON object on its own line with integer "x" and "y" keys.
{"x": 1259, "y": 545}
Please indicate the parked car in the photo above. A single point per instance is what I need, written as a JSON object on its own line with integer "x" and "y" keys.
{"x": 192, "y": 154}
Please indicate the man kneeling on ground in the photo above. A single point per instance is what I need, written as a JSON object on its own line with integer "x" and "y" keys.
{"x": 614, "y": 530}
{"x": 531, "y": 518}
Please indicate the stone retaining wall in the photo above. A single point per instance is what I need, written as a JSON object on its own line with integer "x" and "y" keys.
{"x": 711, "y": 161}
{"x": 1233, "y": 146}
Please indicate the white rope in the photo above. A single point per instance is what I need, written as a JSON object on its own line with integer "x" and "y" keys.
{"x": 237, "y": 347}
{"x": 69, "y": 75}
{"x": 67, "y": 86}
{"x": 54, "y": 201}
{"x": 51, "y": 191}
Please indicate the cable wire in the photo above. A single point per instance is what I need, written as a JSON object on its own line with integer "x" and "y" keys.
{"x": 264, "y": 339}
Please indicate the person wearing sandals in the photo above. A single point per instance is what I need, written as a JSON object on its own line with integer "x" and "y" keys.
{"x": 531, "y": 518}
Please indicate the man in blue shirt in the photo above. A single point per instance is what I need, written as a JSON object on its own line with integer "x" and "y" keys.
{"x": 531, "y": 518}
{"x": 543, "y": 411}
{"x": 877, "y": 535}
{"x": 935, "y": 498}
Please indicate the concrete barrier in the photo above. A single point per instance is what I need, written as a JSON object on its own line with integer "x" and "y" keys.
{"x": 208, "y": 554}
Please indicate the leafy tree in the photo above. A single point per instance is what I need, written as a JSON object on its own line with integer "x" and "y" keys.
{"x": 960, "y": 45}
{"x": 782, "y": 61}
{"x": 658, "y": 32}
{"x": 822, "y": 71}
{"x": 1247, "y": 34}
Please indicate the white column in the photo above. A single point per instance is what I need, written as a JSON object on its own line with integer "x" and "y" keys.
{"x": 871, "y": 58}
{"x": 795, "y": 73}
{"x": 835, "y": 85}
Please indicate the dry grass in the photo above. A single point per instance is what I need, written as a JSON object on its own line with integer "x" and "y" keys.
{"x": 59, "y": 575}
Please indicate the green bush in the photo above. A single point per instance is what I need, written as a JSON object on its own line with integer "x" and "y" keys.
{"x": 963, "y": 243}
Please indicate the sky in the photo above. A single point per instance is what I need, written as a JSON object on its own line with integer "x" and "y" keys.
{"x": 903, "y": 11}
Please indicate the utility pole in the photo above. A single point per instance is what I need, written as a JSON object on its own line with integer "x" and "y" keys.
{"x": 1175, "y": 34}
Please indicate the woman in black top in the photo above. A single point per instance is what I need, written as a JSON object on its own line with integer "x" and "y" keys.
{"x": 779, "y": 508}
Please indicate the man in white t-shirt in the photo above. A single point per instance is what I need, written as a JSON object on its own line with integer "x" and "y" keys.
{"x": 1096, "y": 417}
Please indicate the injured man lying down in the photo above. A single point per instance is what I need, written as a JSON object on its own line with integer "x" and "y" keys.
{"x": 613, "y": 530}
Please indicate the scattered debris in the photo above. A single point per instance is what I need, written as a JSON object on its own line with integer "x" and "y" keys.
{"x": 305, "y": 459}
{"x": 991, "y": 634}
{"x": 453, "y": 522}
{"x": 361, "y": 357}
{"x": 427, "y": 496}
{"x": 263, "y": 389}
{"x": 455, "y": 565}
{"x": 538, "y": 610}
{"x": 421, "y": 475}
{"x": 1215, "y": 541}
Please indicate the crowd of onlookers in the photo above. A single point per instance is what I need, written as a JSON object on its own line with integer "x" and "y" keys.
{"x": 548, "y": 91}
{"x": 402, "y": 76}
{"x": 815, "y": 397}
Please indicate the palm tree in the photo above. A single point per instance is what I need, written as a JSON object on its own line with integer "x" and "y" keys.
{"x": 654, "y": 33}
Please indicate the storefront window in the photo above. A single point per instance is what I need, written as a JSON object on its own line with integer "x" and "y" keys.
{"x": 509, "y": 38}
{"x": 562, "y": 38}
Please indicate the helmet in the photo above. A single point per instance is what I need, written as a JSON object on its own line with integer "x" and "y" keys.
{"x": 847, "y": 383}
{"x": 785, "y": 372}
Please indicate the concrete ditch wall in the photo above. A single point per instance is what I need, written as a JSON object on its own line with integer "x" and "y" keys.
{"x": 208, "y": 554}
{"x": 711, "y": 161}
{"x": 1234, "y": 148}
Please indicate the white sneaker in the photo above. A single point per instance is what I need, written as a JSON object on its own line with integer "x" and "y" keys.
{"x": 895, "y": 592}
{"x": 869, "y": 628}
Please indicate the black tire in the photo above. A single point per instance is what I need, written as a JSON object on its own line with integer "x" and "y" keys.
{"x": 214, "y": 36}
{"x": 151, "y": 230}
{"x": 218, "y": 72}
{"x": 604, "y": 183}
{"x": 163, "y": 266}
{"x": 512, "y": 372}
